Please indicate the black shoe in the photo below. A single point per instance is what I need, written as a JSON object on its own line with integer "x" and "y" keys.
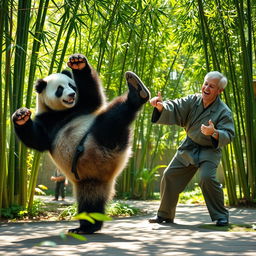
{"x": 222, "y": 222}
{"x": 159, "y": 220}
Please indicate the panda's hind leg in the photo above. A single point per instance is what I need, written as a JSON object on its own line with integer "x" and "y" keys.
{"x": 111, "y": 129}
{"x": 92, "y": 195}
{"x": 138, "y": 93}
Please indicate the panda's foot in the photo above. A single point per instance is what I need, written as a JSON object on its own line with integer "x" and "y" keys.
{"x": 77, "y": 61}
{"x": 83, "y": 231}
{"x": 138, "y": 92}
{"x": 21, "y": 116}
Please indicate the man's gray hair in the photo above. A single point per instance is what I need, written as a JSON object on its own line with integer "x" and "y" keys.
{"x": 216, "y": 74}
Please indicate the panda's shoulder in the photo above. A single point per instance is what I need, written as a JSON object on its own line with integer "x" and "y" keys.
{"x": 53, "y": 118}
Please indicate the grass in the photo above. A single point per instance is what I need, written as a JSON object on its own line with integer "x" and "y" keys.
{"x": 116, "y": 208}
{"x": 194, "y": 196}
{"x": 113, "y": 209}
{"x": 231, "y": 227}
{"x": 50, "y": 211}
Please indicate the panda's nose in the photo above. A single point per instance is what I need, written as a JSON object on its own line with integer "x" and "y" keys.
{"x": 72, "y": 95}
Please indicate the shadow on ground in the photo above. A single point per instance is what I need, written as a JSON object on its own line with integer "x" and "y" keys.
{"x": 134, "y": 236}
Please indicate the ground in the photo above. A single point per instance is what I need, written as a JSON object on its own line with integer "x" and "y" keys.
{"x": 135, "y": 236}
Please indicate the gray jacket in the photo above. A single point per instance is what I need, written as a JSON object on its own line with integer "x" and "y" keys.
{"x": 188, "y": 112}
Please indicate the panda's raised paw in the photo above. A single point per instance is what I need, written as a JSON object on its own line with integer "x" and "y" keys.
{"x": 21, "y": 116}
{"x": 77, "y": 61}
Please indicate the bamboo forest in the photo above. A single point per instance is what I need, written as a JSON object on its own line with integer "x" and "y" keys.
{"x": 171, "y": 45}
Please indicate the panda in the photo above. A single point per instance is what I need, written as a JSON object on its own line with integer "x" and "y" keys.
{"x": 88, "y": 138}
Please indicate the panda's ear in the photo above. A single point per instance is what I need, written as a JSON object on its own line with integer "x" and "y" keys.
{"x": 40, "y": 85}
{"x": 67, "y": 73}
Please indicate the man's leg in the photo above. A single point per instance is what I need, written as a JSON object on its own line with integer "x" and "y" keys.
{"x": 57, "y": 190}
{"x": 62, "y": 189}
{"x": 213, "y": 193}
{"x": 174, "y": 180}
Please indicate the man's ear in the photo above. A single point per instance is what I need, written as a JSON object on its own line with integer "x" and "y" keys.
{"x": 67, "y": 73}
{"x": 40, "y": 85}
{"x": 221, "y": 90}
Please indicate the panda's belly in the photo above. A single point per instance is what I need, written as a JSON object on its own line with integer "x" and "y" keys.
{"x": 96, "y": 162}
{"x": 67, "y": 140}
{"x": 101, "y": 163}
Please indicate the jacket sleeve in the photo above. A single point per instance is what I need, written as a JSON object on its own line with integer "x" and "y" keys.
{"x": 226, "y": 129}
{"x": 174, "y": 111}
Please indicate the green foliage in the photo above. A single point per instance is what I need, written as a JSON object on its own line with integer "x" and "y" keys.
{"x": 192, "y": 197}
{"x": 40, "y": 190}
{"x": 195, "y": 196}
{"x": 19, "y": 212}
{"x": 145, "y": 181}
{"x": 84, "y": 216}
{"x": 91, "y": 217}
{"x": 37, "y": 208}
{"x": 13, "y": 212}
{"x": 77, "y": 236}
{"x": 99, "y": 216}
{"x": 231, "y": 227}
{"x": 121, "y": 209}
{"x": 69, "y": 212}
{"x": 113, "y": 208}
{"x": 47, "y": 243}
{"x": 170, "y": 45}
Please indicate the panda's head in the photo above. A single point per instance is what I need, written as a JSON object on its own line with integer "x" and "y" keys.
{"x": 56, "y": 92}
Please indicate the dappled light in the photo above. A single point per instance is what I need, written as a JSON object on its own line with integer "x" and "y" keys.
{"x": 171, "y": 45}
{"x": 135, "y": 236}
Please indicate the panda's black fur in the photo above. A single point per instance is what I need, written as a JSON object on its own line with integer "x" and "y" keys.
{"x": 79, "y": 107}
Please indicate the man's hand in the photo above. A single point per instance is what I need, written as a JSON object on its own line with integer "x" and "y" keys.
{"x": 209, "y": 130}
{"x": 53, "y": 178}
{"x": 157, "y": 102}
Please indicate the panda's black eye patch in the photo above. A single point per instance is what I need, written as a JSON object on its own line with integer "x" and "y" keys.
{"x": 59, "y": 91}
{"x": 72, "y": 86}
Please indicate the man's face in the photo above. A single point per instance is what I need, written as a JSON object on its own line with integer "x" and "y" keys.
{"x": 210, "y": 90}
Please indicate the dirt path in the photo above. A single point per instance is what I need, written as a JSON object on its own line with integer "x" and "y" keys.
{"x": 135, "y": 236}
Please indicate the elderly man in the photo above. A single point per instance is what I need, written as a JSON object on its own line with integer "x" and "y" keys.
{"x": 209, "y": 126}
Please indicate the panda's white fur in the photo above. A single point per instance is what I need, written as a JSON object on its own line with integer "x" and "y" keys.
{"x": 47, "y": 99}
{"x": 99, "y": 163}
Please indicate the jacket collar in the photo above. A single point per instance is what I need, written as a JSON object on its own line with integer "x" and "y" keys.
{"x": 213, "y": 106}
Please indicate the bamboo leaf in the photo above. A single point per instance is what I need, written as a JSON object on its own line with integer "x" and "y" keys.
{"x": 99, "y": 216}
{"x": 77, "y": 236}
{"x": 84, "y": 216}
{"x": 47, "y": 243}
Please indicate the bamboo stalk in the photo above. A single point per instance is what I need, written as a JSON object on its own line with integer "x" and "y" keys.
{"x": 249, "y": 103}
{"x": 68, "y": 36}
{"x": 40, "y": 20}
{"x": 33, "y": 178}
{"x": 2, "y": 125}
{"x": 238, "y": 145}
{"x": 106, "y": 34}
{"x": 58, "y": 40}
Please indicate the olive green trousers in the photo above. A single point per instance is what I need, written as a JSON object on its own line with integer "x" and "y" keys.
{"x": 175, "y": 178}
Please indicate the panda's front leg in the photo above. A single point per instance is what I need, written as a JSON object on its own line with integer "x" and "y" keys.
{"x": 90, "y": 91}
{"x": 21, "y": 116}
{"x": 23, "y": 126}
{"x": 30, "y": 132}
{"x": 77, "y": 62}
